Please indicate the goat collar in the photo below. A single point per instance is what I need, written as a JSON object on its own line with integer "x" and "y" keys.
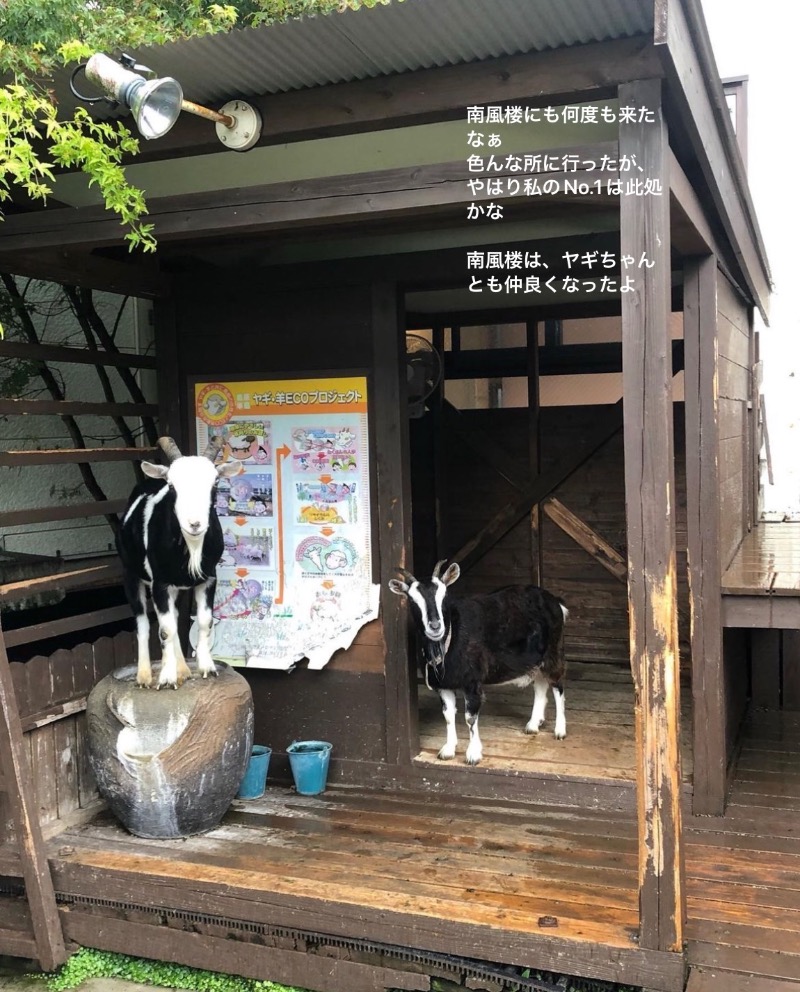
{"x": 435, "y": 660}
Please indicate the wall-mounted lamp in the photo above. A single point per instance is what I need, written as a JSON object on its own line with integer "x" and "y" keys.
{"x": 157, "y": 103}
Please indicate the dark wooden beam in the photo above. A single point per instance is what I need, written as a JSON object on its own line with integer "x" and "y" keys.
{"x": 426, "y": 96}
{"x": 98, "y": 571}
{"x": 565, "y": 359}
{"x": 440, "y": 268}
{"x": 173, "y": 421}
{"x": 140, "y": 277}
{"x": 682, "y": 41}
{"x": 703, "y": 524}
{"x": 651, "y": 503}
{"x": 439, "y": 408}
{"x": 553, "y": 332}
{"x": 73, "y": 456}
{"x": 76, "y": 408}
{"x": 393, "y": 498}
{"x": 591, "y": 542}
{"x": 102, "y": 507}
{"x": 533, "y": 372}
{"x": 65, "y": 625}
{"x": 309, "y": 203}
{"x": 74, "y": 356}
{"x": 420, "y": 319}
{"x": 691, "y": 232}
{"x": 147, "y": 938}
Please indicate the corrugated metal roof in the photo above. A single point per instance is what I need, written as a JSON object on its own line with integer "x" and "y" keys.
{"x": 377, "y": 41}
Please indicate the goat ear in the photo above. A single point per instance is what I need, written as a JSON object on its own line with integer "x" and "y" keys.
{"x": 451, "y": 574}
{"x": 229, "y": 469}
{"x": 155, "y": 471}
{"x": 398, "y": 587}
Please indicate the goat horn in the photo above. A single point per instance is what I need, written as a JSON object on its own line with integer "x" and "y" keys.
{"x": 438, "y": 567}
{"x": 406, "y": 575}
{"x": 170, "y": 450}
{"x": 212, "y": 448}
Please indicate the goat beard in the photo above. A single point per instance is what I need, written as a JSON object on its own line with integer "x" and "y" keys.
{"x": 194, "y": 545}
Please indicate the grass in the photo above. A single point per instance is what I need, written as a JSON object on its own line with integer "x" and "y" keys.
{"x": 87, "y": 963}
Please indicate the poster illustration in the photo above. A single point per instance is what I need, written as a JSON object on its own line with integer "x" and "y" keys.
{"x": 295, "y": 578}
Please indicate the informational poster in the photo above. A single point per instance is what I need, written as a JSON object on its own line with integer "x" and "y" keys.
{"x": 295, "y": 579}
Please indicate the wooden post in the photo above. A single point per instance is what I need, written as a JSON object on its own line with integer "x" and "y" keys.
{"x": 534, "y": 454}
{"x": 650, "y": 501}
{"x": 702, "y": 513}
{"x": 390, "y": 439}
{"x": 439, "y": 443}
{"x": 16, "y": 774}
{"x": 169, "y": 382}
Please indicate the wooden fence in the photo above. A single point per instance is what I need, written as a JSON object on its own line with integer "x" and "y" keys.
{"x": 51, "y": 695}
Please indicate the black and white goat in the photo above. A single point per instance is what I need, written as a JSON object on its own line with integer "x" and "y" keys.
{"x": 170, "y": 539}
{"x": 513, "y": 636}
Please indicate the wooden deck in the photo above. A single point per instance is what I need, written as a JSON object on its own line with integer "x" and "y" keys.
{"x": 527, "y": 885}
{"x": 743, "y": 869}
{"x": 761, "y": 586}
{"x": 600, "y": 728}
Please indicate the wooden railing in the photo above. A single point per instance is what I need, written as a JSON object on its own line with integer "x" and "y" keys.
{"x": 90, "y": 572}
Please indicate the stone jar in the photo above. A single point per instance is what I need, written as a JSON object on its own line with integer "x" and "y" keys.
{"x": 169, "y": 762}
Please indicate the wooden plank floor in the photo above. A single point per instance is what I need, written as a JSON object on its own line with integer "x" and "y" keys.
{"x": 476, "y": 878}
{"x": 518, "y": 884}
{"x": 767, "y": 563}
{"x": 743, "y": 870}
{"x": 600, "y": 728}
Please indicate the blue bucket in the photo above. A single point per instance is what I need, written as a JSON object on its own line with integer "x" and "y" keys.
{"x": 254, "y": 782}
{"x": 309, "y": 761}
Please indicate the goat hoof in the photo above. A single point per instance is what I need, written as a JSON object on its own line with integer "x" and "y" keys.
{"x": 531, "y": 728}
{"x": 446, "y": 755}
{"x": 560, "y": 735}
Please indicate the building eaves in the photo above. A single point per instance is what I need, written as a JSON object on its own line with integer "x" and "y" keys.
{"x": 384, "y": 40}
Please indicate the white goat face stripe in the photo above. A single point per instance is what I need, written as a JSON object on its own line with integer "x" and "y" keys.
{"x": 192, "y": 478}
{"x": 424, "y": 605}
